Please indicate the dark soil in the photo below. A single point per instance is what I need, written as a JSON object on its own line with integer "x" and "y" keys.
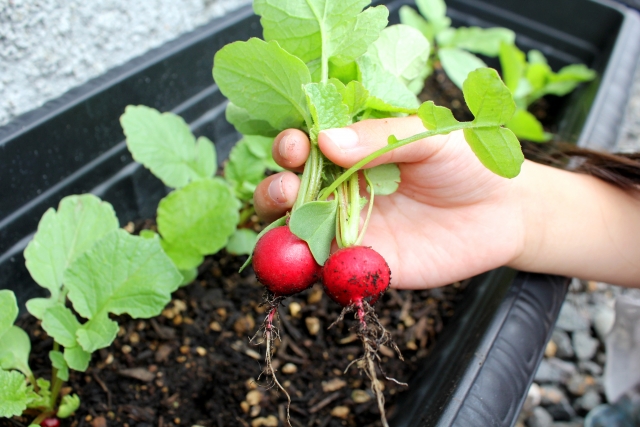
{"x": 195, "y": 365}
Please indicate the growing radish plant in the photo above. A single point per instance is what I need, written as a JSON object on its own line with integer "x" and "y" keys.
{"x": 529, "y": 79}
{"x": 454, "y": 48}
{"x": 327, "y": 64}
{"x": 82, "y": 257}
{"x": 201, "y": 215}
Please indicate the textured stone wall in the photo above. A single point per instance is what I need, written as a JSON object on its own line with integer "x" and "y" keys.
{"x": 50, "y": 46}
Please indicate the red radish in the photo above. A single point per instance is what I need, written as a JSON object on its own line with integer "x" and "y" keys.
{"x": 283, "y": 262}
{"x": 50, "y": 422}
{"x": 355, "y": 277}
{"x": 354, "y": 274}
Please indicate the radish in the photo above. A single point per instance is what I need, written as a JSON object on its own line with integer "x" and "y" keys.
{"x": 355, "y": 274}
{"x": 284, "y": 264}
{"x": 355, "y": 277}
{"x": 50, "y": 422}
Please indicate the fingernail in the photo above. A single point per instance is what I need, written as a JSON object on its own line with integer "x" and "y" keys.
{"x": 276, "y": 192}
{"x": 282, "y": 146}
{"x": 344, "y": 138}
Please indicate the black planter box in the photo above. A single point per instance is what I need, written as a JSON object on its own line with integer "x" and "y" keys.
{"x": 485, "y": 359}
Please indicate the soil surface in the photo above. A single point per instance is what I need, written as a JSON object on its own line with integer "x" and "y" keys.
{"x": 195, "y": 364}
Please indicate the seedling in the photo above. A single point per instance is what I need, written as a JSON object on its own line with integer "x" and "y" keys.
{"x": 531, "y": 78}
{"x": 454, "y": 48}
{"x": 79, "y": 255}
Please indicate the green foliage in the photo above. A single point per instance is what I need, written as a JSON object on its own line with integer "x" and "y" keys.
{"x": 454, "y": 47}
{"x": 315, "y": 223}
{"x": 164, "y": 144}
{"x": 70, "y": 403}
{"x": 384, "y": 178}
{"x": 529, "y": 80}
{"x": 15, "y": 394}
{"x": 197, "y": 220}
{"x": 242, "y": 242}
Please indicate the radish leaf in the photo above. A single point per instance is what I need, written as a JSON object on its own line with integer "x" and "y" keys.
{"x": 15, "y": 394}
{"x": 197, "y": 220}
{"x": 69, "y": 404}
{"x": 384, "y": 178}
{"x": 9, "y": 312}
{"x": 247, "y": 125}
{"x": 242, "y": 242}
{"x": 61, "y": 237}
{"x": 248, "y": 161}
{"x": 525, "y": 125}
{"x": 268, "y": 87}
{"x": 119, "y": 274}
{"x": 315, "y": 223}
{"x": 488, "y": 98}
{"x": 327, "y": 109}
{"x": 386, "y": 92}
{"x": 14, "y": 350}
{"x": 485, "y": 41}
{"x": 164, "y": 144}
{"x": 435, "y": 117}
{"x": 61, "y": 324}
{"x": 77, "y": 358}
{"x": 403, "y": 51}
{"x": 58, "y": 362}
{"x": 458, "y": 63}
{"x": 322, "y": 29}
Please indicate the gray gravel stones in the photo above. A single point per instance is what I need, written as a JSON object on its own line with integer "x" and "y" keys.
{"x": 585, "y": 345}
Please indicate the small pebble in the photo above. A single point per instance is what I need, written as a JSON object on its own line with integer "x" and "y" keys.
{"x": 313, "y": 325}
{"x": 551, "y": 349}
{"x": 564, "y": 348}
{"x": 254, "y": 397}
{"x": 551, "y": 395}
{"x": 584, "y": 345}
{"x": 589, "y": 400}
{"x": 289, "y": 368}
{"x": 340, "y": 412}
{"x": 540, "y": 418}
{"x": 533, "y": 398}
{"x": 360, "y": 396}
{"x": 333, "y": 385}
{"x": 294, "y": 309}
{"x": 270, "y": 421}
{"x": 571, "y": 319}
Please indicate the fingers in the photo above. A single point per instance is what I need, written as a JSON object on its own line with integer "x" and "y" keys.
{"x": 275, "y": 195}
{"x": 291, "y": 149}
{"x": 346, "y": 146}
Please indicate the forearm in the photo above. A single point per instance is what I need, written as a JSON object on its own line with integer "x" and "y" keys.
{"x": 578, "y": 226}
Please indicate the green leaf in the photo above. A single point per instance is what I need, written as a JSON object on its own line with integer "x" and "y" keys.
{"x": 434, "y": 117}
{"x": 536, "y": 57}
{"x": 61, "y": 324}
{"x": 435, "y": 12}
{"x": 488, "y": 98}
{"x": 61, "y": 237}
{"x": 485, "y": 41}
{"x": 43, "y": 396}
{"x": 69, "y": 404}
{"x": 58, "y": 362}
{"x": 345, "y": 73}
{"x": 327, "y": 109}
{"x": 403, "y": 51}
{"x": 8, "y": 310}
{"x": 354, "y": 96}
{"x": 458, "y": 63}
{"x": 497, "y": 148}
{"x": 188, "y": 276}
{"x": 386, "y": 91}
{"x": 119, "y": 274}
{"x": 248, "y": 161}
{"x": 164, "y": 144}
{"x": 277, "y": 223}
{"x": 98, "y": 332}
{"x": 384, "y": 178}
{"x": 408, "y": 16}
{"x": 513, "y": 64}
{"x": 15, "y": 347}
{"x": 525, "y": 126}
{"x": 77, "y": 358}
{"x": 265, "y": 80}
{"x": 315, "y": 223}
{"x": 538, "y": 75}
{"x": 242, "y": 242}
{"x": 183, "y": 257}
{"x": 15, "y": 395}
{"x": 247, "y": 125}
{"x": 321, "y": 28}
{"x": 198, "y": 218}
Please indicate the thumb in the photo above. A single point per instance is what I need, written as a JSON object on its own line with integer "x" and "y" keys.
{"x": 347, "y": 146}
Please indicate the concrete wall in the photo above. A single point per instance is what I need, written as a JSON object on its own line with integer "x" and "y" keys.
{"x": 50, "y": 46}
